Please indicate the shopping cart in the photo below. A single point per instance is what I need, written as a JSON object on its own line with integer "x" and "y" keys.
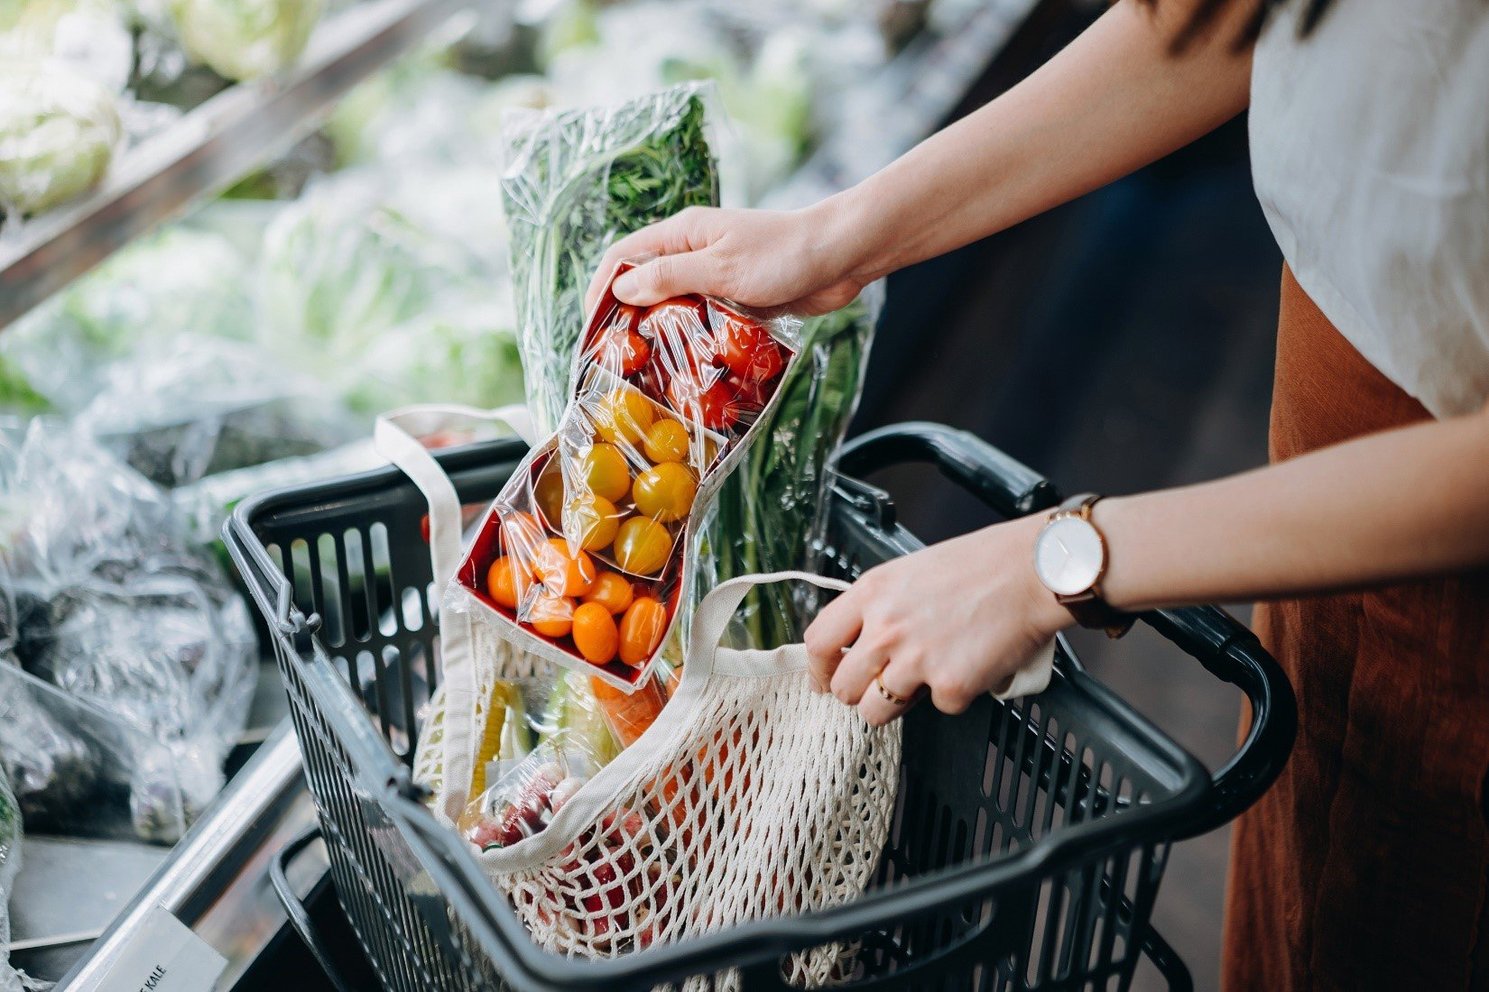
{"x": 1028, "y": 840}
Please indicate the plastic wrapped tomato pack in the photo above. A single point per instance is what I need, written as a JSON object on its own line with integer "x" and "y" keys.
{"x": 582, "y": 556}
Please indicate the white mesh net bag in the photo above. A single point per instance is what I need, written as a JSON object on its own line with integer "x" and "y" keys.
{"x": 750, "y": 796}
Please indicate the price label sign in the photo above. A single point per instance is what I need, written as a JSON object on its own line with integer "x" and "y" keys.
{"x": 165, "y": 956}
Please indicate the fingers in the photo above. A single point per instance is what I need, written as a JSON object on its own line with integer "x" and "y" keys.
{"x": 876, "y": 708}
{"x": 682, "y": 232}
{"x": 667, "y": 276}
{"x": 832, "y": 633}
{"x": 863, "y": 661}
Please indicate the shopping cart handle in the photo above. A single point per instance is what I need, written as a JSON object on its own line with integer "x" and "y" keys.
{"x": 1008, "y": 486}
{"x": 1224, "y": 646}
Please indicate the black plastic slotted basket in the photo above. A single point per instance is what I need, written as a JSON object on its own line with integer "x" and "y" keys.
{"x": 1028, "y": 841}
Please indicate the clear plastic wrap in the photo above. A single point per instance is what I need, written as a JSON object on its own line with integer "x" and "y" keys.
{"x": 111, "y": 605}
{"x": 770, "y": 512}
{"x": 210, "y": 406}
{"x": 10, "y": 865}
{"x": 523, "y": 801}
{"x": 583, "y": 556}
{"x": 574, "y": 181}
{"x": 59, "y": 129}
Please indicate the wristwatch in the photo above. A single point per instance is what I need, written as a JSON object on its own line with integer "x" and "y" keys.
{"x": 1070, "y": 558}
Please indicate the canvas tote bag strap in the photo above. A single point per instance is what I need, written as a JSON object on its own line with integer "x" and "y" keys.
{"x": 393, "y": 438}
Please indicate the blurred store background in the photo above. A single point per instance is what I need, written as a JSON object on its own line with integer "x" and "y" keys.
{"x": 228, "y": 243}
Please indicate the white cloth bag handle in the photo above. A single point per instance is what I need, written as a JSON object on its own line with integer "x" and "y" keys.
{"x": 395, "y": 442}
{"x": 714, "y": 613}
{"x": 392, "y": 438}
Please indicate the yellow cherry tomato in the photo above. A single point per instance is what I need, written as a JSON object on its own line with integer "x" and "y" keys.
{"x": 641, "y": 630}
{"x": 549, "y": 493}
{"x": 562, "y": 573}
{"x": 611, "y": 591}
{"x": 642, "y": 546}
{"x": 551, "y": 616}
{"x": 667, "y": 441}
{"x": 591, "y": 522}
{"x": 623, "y": 416}
{"x": 595, "y": 633}
{"x": 604, "y": 470}
{"x": 665, "y": 492}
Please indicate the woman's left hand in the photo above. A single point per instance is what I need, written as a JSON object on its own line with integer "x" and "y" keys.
{"x": 959, "y": 618}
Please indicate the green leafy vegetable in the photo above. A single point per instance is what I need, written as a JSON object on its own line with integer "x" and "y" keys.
{"x": 58, "y": 129}
{"x": 575, "y": 182}
{"x": 771, "y": 508}
{"x": 244, "y": 39}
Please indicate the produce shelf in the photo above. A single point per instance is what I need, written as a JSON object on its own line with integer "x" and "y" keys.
{"x": 209, "y": 148}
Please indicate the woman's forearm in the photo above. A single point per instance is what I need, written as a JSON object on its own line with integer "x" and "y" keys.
{"x": 1404, "y": 503}
{"x": 1114, "y": 100}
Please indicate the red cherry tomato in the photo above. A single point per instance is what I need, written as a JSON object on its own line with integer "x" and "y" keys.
{"x": 713, "y": 406}
{"x": 620, "y": 347}
{"x": 746, "y": 348}
{"x": 682, "y": 317}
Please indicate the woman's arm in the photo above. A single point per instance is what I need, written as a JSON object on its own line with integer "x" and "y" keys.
{"x": 1113, "y": 100}
{"x": 961, "y": 616}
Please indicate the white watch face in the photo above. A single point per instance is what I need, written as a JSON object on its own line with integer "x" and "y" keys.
{"x": 1068, "y": 556}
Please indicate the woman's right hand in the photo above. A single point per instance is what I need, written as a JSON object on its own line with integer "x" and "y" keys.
{"x": 803, "y": 261}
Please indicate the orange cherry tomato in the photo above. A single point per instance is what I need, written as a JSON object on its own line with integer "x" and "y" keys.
{"x": 548, "y": 492}
{"x": 746, "y": 348}
{"x": 667, "y": 441}
{"x": 604, "y": 470}
{"x": 503, "y": 584}
{"x": 611, "y": 591}
{"x": 642, "y": 546}
{"x": 641, "y": 630}
{"x": 595, "y": 633}
{"x": 591, "y": 522}
{"x": 623, "y": 416}
{"x": 562, "y": 573}
{"x": 665, "y": 492}
{"x": 551, "y": 616}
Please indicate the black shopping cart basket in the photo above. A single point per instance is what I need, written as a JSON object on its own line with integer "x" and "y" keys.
{"x": 1029, "y": 837}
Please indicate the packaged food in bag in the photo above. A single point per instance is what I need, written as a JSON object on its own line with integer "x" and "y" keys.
{"x": 583, "y": 555}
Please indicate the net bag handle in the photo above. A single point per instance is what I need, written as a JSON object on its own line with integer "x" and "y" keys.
{"x": 714, "y": 613}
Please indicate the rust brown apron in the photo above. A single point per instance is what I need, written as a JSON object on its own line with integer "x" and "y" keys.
{"x": 1366, "y": 865}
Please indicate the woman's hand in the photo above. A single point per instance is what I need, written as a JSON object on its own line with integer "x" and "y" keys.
{"x": 801, "y": 260}
{"x": 960, "y": 618}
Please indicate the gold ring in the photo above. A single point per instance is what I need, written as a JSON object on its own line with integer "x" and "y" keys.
{"x": 897, "y": 700}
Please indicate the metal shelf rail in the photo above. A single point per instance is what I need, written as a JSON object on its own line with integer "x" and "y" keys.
{"x": 209, "y": 148}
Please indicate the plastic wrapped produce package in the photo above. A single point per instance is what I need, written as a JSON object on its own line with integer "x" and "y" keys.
{"x": 210, "y": 406}
{"x": 584, "y": 555}
{"x": 573, "y": 182}
{"x": 118, "y": 611}
{"x": 770, "y": 513}
{"x": 10, "y": 865}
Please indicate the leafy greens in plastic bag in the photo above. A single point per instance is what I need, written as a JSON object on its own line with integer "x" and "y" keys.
{"x": 574, "y": 182}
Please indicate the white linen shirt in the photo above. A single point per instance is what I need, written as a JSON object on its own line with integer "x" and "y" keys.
{"x": 1370, "y": 154}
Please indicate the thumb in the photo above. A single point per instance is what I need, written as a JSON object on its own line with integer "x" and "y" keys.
{"x": 667, "y": 276}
